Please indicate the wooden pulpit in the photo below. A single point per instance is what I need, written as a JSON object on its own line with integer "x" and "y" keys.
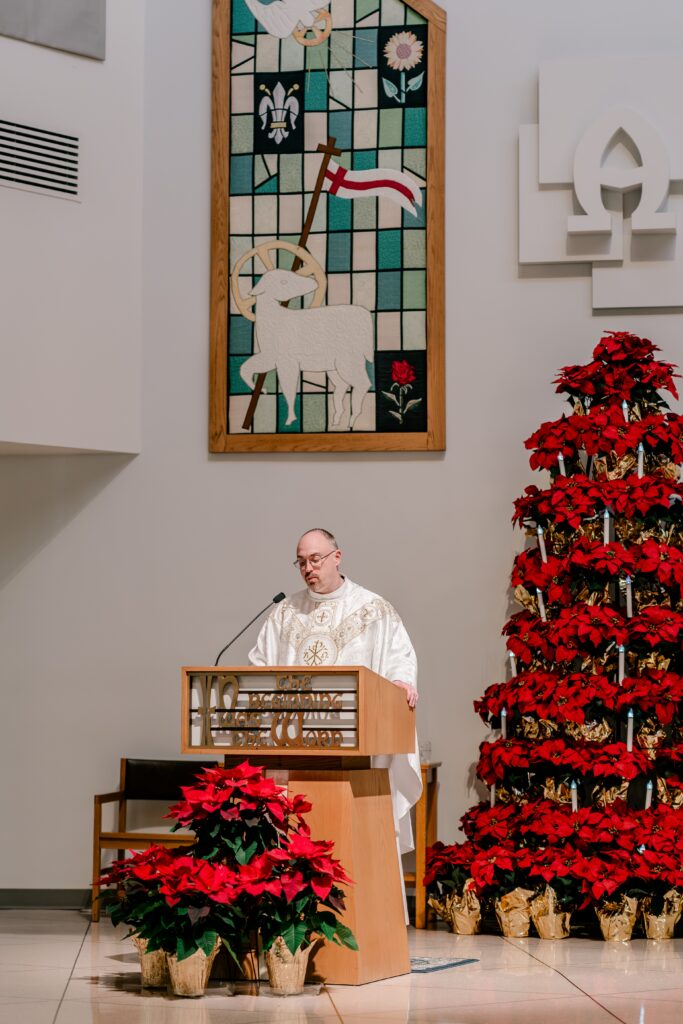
{"x": 317, "y": 729}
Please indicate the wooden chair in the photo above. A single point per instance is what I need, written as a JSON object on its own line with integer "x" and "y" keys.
{"x": 140, "y": 780}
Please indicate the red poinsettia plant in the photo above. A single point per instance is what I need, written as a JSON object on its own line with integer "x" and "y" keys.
{"x": 298, "y": 889}
{"x": 236, "y": 813}
{"x": 586, "y": 777}
{"x": 178, "y": 903}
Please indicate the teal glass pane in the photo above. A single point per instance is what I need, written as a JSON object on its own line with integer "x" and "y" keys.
{"x": 242, "y": 18}
{"x": 388, "y": 290}
{"x": 418, "y": 220}
{"x": 237, "y": 385}
{"x": 241, "y": 175}
{"x": 268, "y": 186}
{"x": 338, "y": 213}
{"x": 388, "y": 249}
{"x": 339, "y": 252}
{"x": 339, "y": 124}
{"x": 364, "y": 159}
{"x": 282, "y": 414}
{"x": 316, "y": 90}
{"x": 365, "y": 48}
{"x": 241, "y": 336}
{"x": 415, "y": 126}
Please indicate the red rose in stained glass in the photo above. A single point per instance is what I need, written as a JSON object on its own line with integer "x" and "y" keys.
{"x": 402, "y": 372}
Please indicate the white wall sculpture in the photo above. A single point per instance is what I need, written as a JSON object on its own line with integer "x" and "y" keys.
{"x": 599, "y": 177}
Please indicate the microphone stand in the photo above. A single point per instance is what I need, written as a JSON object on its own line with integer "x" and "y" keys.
{"x": 276, "y": 600}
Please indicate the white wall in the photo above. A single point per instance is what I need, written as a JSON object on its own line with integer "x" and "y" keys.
{"x": 115, "y": 572}
{"x": 70, "y": 272}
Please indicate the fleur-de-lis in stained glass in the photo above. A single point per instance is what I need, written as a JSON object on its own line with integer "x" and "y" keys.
{"x": 278, "y": 111}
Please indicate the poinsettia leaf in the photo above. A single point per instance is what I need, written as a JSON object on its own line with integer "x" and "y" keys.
{"x": 327, "y": 929}
{"x": 185, "y": 947}
{"x": 207, "y": 942}
{"x": 346, "y": 935}
{"x": 416, "y": 82}
{"x": 391, "y": 395}
{"x": 290, "y": 937}
{"x": 390, "y": 89}
{"x": 196, "y": 913}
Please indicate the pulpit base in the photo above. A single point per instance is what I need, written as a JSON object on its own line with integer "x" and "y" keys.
{"x": 353, "y": 808}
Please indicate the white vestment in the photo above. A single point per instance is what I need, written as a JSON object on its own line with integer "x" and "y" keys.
{"x": 350, "y": 626}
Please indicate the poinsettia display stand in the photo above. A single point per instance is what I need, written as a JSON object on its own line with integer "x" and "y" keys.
{"x": 585, "y": 776}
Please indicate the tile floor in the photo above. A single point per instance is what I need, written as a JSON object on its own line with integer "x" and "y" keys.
{"x": 57, "y": 968}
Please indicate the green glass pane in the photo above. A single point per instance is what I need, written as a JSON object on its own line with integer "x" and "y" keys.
{"x": 390, "y": 128}
{"x": 314, "y": 419}
{"x": 290, "y": 172}
{"x": 414, "y": 289}
{"x": 242, "y": 133}
{"x": 414, "y": 254}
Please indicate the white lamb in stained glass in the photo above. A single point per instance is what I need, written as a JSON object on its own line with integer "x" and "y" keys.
{"x": 338, "y": 340}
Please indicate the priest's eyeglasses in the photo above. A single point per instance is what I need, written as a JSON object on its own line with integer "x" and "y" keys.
{"x": 315, "y": 561}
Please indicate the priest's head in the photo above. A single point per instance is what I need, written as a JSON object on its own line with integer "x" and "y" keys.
{"x": 318, "y": 557}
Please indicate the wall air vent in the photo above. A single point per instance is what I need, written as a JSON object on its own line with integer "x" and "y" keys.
{"x": 35, "y": 159}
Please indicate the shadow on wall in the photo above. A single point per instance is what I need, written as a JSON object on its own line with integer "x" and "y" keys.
{"x": 40, "y": 495}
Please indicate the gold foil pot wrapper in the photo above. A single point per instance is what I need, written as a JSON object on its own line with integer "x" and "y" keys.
{"x": 549, "y": 921}
{"x": 603, "y": 796}
{"x": 523, "y": 597}
{"x": 653, "y": 661}
{"x": 460, "y": 911}
{"x": 537, "y": 728}
{"x": 669, "y": 795}
{"x": 614, "y": 467}
{"x": 513, "y": 911}
{"x": 649, "y": 736}
{"x": 558, "y": 792}
{"x": 510, "y": 795}
{"x": 617, "y": 918}
{"x": 592, "y": 732}
{"x": 661, "y": 926}
{"x": 668, "y": 470}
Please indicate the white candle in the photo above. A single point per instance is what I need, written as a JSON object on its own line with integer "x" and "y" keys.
{"x": 560, "y": 462}
{"x": 629, "y": 598}
{"x": 629, "y": 730}
{"x": 605, "y": 526}
{"x": 541, "y": 544}
{"x": 624, "y": 409}
{"x": 575, "y": 796}
{"x": 493, "y": 795}
{"x": 622, "y": 663}
{"x": 504, "y": 723}
{"x": 641, "y": 460}
{"x": 648, "y": 794}
{"x": 513, "y": 663}
{"x": 541, "y": 604}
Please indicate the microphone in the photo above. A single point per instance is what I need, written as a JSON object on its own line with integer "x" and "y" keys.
{"x": 276, "y": 600}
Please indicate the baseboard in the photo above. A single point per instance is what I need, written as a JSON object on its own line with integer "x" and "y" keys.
{"x": 50, "y": 899}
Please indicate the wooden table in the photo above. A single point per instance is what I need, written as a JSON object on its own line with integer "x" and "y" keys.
{"x": 425, "y": 836}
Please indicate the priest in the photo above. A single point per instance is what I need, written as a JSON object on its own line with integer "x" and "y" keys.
{"x": 336, "y": 622}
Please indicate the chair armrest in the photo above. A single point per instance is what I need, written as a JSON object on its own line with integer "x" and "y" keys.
{"x": 107, "y": 798}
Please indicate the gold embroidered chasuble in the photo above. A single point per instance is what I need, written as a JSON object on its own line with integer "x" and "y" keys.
{"x": 350, "y": 626}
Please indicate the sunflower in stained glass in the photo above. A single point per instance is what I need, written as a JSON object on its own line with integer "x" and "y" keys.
{"x": 403, "y": 51}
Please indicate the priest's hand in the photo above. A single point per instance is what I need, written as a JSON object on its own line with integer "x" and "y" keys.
{"x": 411, "y": 692}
